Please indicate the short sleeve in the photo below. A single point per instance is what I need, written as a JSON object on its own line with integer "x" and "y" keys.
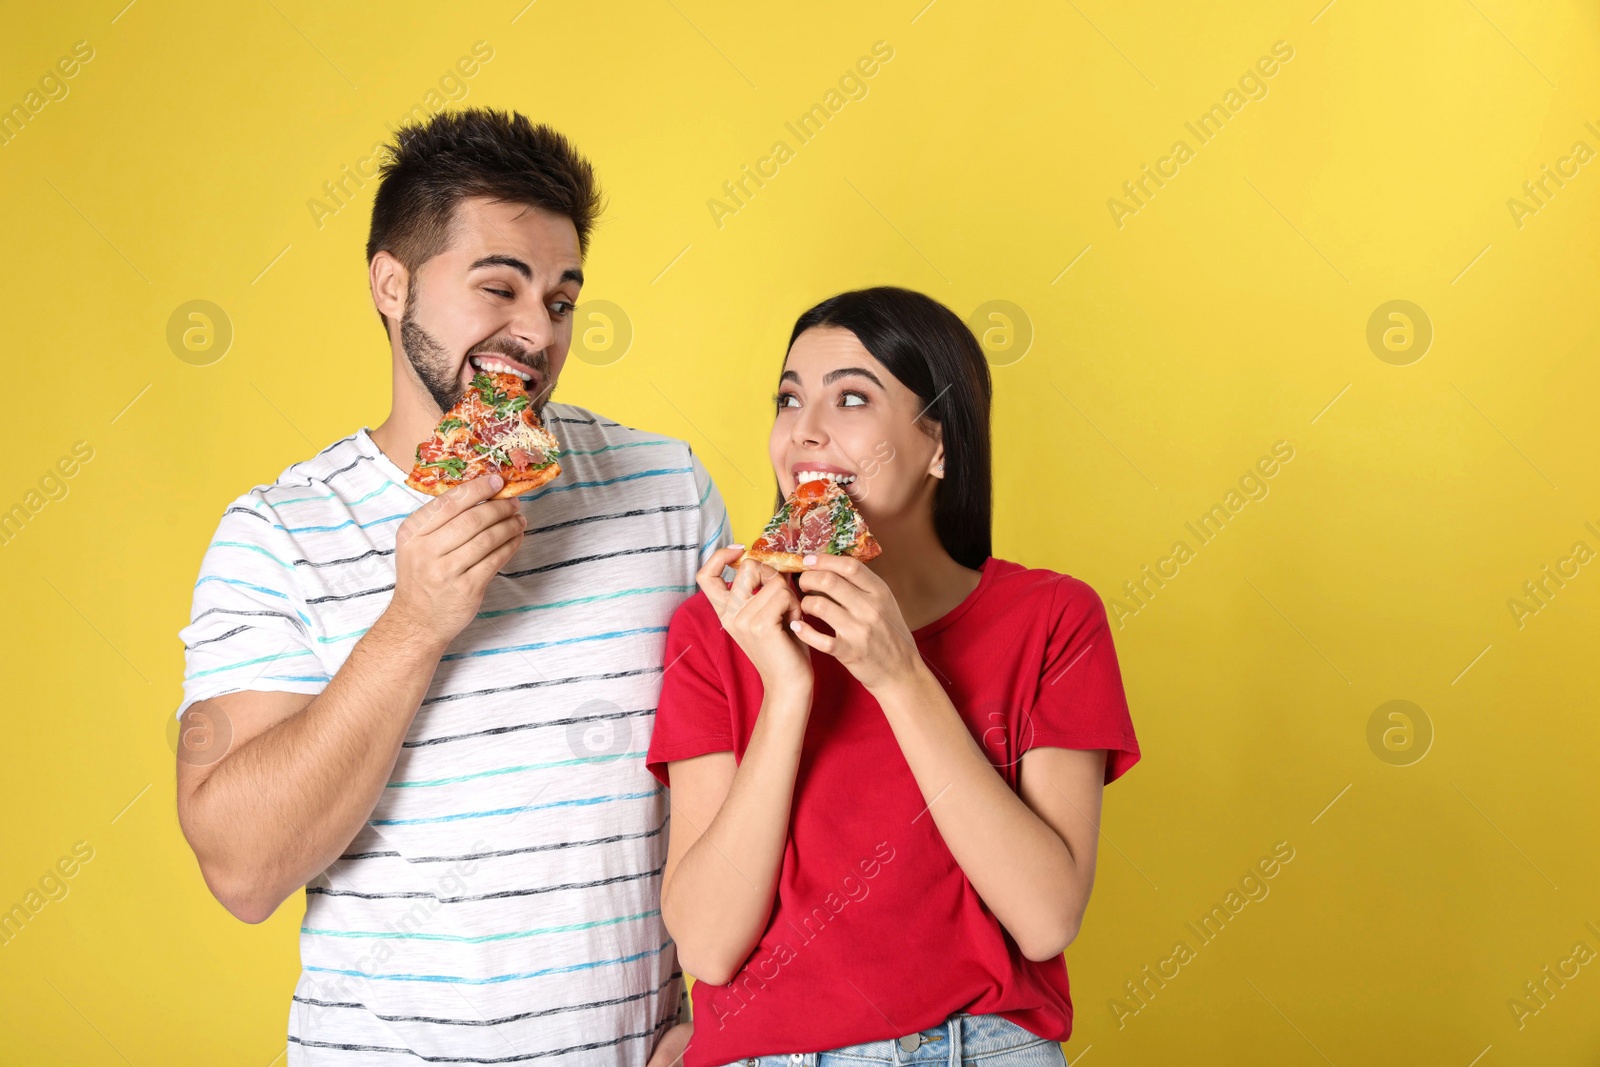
{"x": 714, "y": 530}
{"x": 1081, "y": 703}
{"x": 248, "y": 627}
{"x": 693, "y": 715}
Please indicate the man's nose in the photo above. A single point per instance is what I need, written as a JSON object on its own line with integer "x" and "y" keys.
{"x": 532, "y": 326}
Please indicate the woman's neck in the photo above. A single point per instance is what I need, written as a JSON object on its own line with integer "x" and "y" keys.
{"x": 926, "y": 582}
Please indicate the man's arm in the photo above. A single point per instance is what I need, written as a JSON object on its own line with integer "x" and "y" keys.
{"x": 302, "y": 774}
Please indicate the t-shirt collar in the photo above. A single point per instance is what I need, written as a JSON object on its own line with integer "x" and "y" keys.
{"x": 985, "y": 576}
{"x": 385, "y": 465}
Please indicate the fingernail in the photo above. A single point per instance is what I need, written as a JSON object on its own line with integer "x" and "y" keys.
{"x": 496, "y": 482}
{"x": 735, "y": 546}
{"x": 809, "y": 560}
{"x": 795, "y": 626}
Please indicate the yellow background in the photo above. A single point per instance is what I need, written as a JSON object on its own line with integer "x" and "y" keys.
{"x": 1227, "y": 314}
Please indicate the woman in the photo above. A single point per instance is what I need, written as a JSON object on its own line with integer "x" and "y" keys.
{"x": 886, "y": 777}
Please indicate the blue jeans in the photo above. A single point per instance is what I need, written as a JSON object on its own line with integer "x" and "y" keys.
{"x": 960, "y": 1041}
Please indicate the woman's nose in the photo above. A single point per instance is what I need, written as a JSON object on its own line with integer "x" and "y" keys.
{"x": 808, "y": 429}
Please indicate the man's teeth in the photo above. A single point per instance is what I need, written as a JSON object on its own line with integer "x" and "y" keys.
{"x": 841, "y": 479}
{"x": 494, "y": 366}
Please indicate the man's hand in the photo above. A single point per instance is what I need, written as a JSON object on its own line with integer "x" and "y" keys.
{"x": 669, "y": 1051}
{"x": 445, "y": 553}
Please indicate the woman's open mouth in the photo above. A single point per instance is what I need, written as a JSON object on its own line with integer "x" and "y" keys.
{"x": 811, "y": 475}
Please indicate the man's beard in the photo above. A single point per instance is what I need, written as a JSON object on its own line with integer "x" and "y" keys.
{"x": 437, "y": 370}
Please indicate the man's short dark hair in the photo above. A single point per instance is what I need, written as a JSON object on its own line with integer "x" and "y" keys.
{"x": 433, "y": 166}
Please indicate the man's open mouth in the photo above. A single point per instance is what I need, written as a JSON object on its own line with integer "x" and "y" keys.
{"x": 495, "y": 364}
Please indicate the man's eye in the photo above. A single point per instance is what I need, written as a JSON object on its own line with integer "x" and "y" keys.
{"x": 501, "y": 292}
{"x": 561, "y": 309}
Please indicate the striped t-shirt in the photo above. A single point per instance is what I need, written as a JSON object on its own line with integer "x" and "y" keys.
{"x": 502, "y": 904}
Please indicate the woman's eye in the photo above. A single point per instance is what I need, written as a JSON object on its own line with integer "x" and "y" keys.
{"x": 846, "y": 398}
{"x": 782, "y": 400}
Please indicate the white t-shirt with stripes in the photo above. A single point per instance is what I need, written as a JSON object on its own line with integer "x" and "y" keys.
{"x": 502, "y": 904}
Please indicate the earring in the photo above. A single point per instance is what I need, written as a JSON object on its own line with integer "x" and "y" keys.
{"x": 939, "y": 466}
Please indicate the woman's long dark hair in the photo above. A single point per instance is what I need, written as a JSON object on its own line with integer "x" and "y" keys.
{"x": 930, "y": 350}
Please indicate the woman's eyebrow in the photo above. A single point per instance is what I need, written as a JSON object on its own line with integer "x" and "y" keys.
{"x": 834, "y": 375}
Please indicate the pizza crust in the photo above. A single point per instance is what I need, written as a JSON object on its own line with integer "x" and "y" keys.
{"x": 510, "y": 489}
{"x": 865, "y": 548}
{"x": 783, "y": 562}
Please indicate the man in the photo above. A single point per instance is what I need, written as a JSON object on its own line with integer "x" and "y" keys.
{"x": 432, "y": 713}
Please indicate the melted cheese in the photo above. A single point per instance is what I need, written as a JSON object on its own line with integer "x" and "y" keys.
{"x": 531, "y": 438}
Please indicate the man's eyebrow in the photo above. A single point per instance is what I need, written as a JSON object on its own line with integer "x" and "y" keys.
{"x": 572, "y": 274}
{"x": 834, "y": 375}
{"x": 504, "y": 261}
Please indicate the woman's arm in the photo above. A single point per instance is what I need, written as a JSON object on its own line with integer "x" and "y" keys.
{"x": 1030, "y": 857}
{"x": 730, "y": 825}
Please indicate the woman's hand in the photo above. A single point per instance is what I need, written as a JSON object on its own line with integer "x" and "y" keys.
{"x": 870, "y": 635}
{"x": 756, "y": 610}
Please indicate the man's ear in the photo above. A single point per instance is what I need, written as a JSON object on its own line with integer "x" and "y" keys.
{"x": 389, "y": 280}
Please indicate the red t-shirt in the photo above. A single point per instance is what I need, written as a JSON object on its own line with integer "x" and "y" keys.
{"x": 876, "y": 931}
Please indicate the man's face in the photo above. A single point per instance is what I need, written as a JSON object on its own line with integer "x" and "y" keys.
{"x": 500, "y": 297}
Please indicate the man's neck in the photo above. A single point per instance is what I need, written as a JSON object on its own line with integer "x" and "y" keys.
{"x": 411, "y": 420}
{"x": 398, "y": 438}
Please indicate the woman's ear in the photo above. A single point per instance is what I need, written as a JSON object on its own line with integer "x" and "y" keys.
{"x": 936, "y": 464}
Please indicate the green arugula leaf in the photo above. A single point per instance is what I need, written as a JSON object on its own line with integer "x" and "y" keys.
{"x": 454, "y": 465}
{"x": 509, "y": 406}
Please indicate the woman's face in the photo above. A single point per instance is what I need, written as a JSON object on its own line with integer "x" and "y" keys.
{"x": 839, "y": 411}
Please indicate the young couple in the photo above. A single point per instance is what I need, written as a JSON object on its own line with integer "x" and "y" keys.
{"x": 441, "y": 716}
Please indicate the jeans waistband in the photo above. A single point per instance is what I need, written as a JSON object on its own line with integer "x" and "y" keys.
{"x": 950, "y": 1043}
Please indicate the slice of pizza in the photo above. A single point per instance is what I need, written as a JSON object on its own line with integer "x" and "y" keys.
{"x": 818, "y": 516}
{"x": 491, "y": 430}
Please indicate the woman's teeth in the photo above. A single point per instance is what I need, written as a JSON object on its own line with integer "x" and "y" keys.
{"x": 494, "y": 366}
{"x": 841, "y": 479}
